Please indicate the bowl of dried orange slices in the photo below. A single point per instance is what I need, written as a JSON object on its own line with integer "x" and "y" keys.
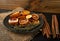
{"x": 23, "y": 21}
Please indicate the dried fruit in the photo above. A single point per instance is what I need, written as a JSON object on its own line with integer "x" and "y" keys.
{"x": 28, "y": 16}
{"x": 22, "y": 17}
{"x": 15, "y": 15}
{"x": 36, "y": 22}
{"x": 35, "y": 16}
{"x": 25, "y": 12}
{"x": 13, "y": 21}
{"x": 22, "y": 22}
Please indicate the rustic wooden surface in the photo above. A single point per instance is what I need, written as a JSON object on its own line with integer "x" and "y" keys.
{"x": 50, "y": 6}
{"x": 12, "y": 4}
{"x": 6, "y": 35}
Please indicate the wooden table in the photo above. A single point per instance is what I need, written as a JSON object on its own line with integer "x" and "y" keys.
{"x": 6, "y": 35}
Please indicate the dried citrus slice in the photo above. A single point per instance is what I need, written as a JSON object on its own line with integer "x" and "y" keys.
{"x": 25, "y": 12}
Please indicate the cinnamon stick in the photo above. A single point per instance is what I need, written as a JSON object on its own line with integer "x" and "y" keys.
{"x": 56, "y": 25}
{"x": 46, "y": 28}
{"x": 53, "y": 27}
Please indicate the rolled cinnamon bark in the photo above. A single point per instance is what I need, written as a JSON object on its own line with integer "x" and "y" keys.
{"x": 46, "y": 28}
{"x": 53, "y": 27}
{"x": 56, "y": 25}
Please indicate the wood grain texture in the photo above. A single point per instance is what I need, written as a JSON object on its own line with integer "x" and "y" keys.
{"x": 51, "y": 6}
{"x": 12, "y": 4}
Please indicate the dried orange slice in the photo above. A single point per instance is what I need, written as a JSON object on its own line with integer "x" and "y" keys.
{"x": 14, "y": 15}
{"x": 13, "y": 21}
{"x": 28, "y": 16}
{"x": 35, "y": 16}
{"x": 22, "y": 22}
{"x": 25, "y": 12}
